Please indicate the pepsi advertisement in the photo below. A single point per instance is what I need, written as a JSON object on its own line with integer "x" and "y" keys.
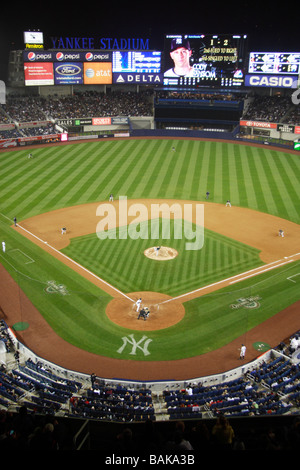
{"x": 67, "y": 56}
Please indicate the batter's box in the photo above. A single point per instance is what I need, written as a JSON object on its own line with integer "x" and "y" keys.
{"x": 20, "y": 256}
{"x": 290, "y": 278}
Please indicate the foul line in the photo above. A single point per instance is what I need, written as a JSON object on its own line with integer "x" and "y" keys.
{"x": 74, "y": 262}
{"x": 254, "y": 272}
{"x": 233, "y": 279}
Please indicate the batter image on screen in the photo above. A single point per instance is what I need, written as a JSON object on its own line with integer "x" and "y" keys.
{"x": 180, "y": 54}
{"x": 206, "y": 60}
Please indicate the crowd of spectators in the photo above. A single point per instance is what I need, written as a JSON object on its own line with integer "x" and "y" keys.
{"x": 20, "y": 109}
{"x": 268, "y": 109}
{"x": 78, "y": 105}
{"x": 40, "y": 396}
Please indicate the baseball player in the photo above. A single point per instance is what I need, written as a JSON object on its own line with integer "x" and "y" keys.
{"x": 228, "y": 203}
{"x": 243, "y": 351}
{"x": 3, "y": 247}
{"x": 281, "y": 233}
{"x": 157, "y": 250}
{"x": 138, "y": 304}
{"x": 111, "y": 198}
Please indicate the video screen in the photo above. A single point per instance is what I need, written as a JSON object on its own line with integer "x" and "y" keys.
{"x": 136, "y": 61}
{"x": 274, "y": 62}
{"x": 204, "y": 60}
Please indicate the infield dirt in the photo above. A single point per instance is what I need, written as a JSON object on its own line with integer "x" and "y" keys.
{"x": 252, "y": 228}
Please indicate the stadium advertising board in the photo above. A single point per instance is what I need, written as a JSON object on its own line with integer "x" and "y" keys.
{"x": 67, "y": 56}
{"x": 273, "y": 69}
{"x": 136, "y": 67}
{"x": 37, "y": 74}
{"x": 99, "y": 73}
{"x": 68, "y": 73}
{"x": 204, "y": 60}
{"x": 94, "y": 67}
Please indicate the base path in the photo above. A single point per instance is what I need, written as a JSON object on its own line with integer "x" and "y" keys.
{"x": 247, "y": 226}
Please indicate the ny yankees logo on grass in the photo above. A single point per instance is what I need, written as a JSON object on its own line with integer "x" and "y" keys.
{"x": 135, "y": 344}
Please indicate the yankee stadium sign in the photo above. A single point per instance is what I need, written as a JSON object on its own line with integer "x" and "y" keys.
{"x": 101, "y": 43}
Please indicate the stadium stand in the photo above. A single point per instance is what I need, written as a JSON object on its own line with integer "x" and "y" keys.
{"x": 270, "y": 387}
{"x": 43, "y": 407}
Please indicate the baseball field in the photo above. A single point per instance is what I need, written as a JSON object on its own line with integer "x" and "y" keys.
{"x": 71, "y": 296}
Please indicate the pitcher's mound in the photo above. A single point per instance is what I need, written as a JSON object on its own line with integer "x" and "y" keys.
{"x": 123, "y": 311}
{"x": 161, "y": 253}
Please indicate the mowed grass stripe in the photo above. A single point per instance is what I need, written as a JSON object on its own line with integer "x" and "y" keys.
{"x": 201, "y": 183}
{"x": 162, "y": 169}
{"x": 266, "y": 181}
{"x": 108, "y": 157}
{"x": 282, "y": 198}
{"x": 217, "y": 195}
{"x": 85, "y": 178}
{"x": 234, "y": 182}
{"x": 258, "y": 183}
{"x": 117, "y": 175}
{"x": 227, "y": 194}
{"x": 57, "y": 183}
{"x": 49, "y": 180}
{"x": 248, "y": 184}
{"x": 144, "y": 173}
{"x": 287, "y": 186}
{"x": 192, "y": 156}
{"x": 67, "y": 182}
{"x": 29, "y": 190}
{"x": 149, "y": 185}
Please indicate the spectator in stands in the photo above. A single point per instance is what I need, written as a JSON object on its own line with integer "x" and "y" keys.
{"x": 223, "y": 433}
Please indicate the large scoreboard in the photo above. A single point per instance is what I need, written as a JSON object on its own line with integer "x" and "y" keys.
{"x": 204, "y": 60}
{"x": 273, "y": 69}
{"x": 72, "y": 67}
{"x": 287, "y": 63}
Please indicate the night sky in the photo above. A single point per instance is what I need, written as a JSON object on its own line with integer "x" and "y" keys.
{"x": 269, "y": 28}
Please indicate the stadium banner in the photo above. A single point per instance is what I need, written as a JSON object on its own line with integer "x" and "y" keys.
{"x": 97, "y": 73}
{"x": 138, "y": 78}
{"x": 68, "y": 73}
{"x": 94, "y": 121}
{"x": 271, "y": 81}
{"x": 7, "y": 143}
{"x": 259, "y": 124}
{"x": 67, "y": 56}
{"x": 37, "y": 74}
{"x": 290, "y": 129}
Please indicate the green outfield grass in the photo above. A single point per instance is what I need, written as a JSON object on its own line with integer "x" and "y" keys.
{"x": 58, "y": 176}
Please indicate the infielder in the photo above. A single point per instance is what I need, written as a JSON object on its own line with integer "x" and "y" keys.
{"x": 228, "y": 203}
